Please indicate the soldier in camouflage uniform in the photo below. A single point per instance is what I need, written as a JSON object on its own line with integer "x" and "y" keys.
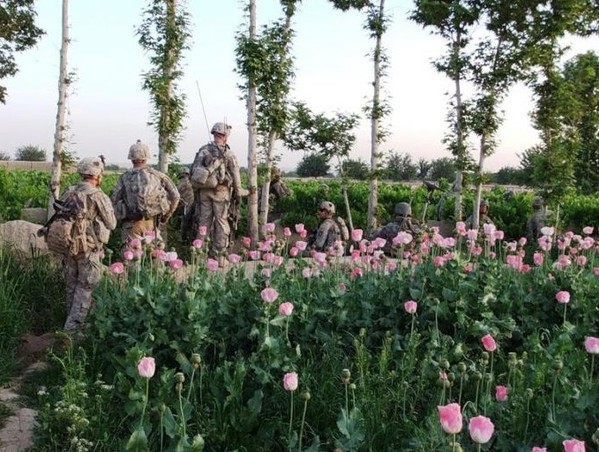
{"x": 537, "y": 220}
{"x": 402, "y": 223}
{"x": 216, "y": 181}
{"x": 328, "y": 231}
{"x": 185, "y": 209}
{"x": 483, "y": 215}
{"x": 133, "y": 226}
{"x": 84, "y": 271}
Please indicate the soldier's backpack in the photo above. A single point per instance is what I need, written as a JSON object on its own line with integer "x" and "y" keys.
{"x": 66, "y": 231}
{"x": 343, "y": 230}
{"x": 145, "y": 196}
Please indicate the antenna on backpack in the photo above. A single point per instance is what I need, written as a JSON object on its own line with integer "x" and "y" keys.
{"x": 203, "y": 108}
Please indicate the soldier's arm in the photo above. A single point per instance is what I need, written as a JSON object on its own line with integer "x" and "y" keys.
{"x": 105, "y": 210}
{"x": 321, "y": 234}
{"x": 233, "y": 168}
{"x": 172, "y": 192}
{"x": 115, "y": 196}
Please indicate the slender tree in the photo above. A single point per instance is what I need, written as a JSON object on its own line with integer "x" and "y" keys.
{"x": 453, "y": 20}
{"x": 18, "y": 32}
{"x": 164, "y": 34}
{"x": 376, "y": 24}
{"x": 64, "y": 80}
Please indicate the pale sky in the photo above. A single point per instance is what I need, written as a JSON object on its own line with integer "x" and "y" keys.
{"x": 108, "y": 110}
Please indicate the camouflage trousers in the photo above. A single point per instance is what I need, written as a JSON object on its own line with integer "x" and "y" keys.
{"x": 214, "y": 213}
{"x": 82, "y": 274}
{"x": 137, "y": 229}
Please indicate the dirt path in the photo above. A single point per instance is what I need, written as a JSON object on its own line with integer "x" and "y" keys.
{"x": 17, "y": 433}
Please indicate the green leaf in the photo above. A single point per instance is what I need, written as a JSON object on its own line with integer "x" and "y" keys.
{"x": 138, "y": 441}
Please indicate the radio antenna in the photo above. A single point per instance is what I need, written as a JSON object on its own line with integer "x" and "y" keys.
{"x": 203, "y": 109}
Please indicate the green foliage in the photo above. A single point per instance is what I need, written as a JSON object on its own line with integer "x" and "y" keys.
{"x": 313, "y": 165}
{"x": 164, "y": 34}
{"x": 4, "y": 156}
{"x": 401, "y": 167}
{"x": 18, "y": 32}
{"x": 442, "y": 168}
{"x": 30, "y": 153}
{"x": 355, "y": 169}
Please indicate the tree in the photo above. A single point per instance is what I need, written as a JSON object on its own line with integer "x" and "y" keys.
{"x": 400, "y": 167}
{"x": 30, "y": 153}
{"x": 424, "y": 167}
{"x": 18, "y": 32}
{"x": 4, "y": 156}
{"x": 376, "y": 24}
{"x": 272, "y": 77}
{"x": 331, "y": 137}
{"x": 508, "y": 175}
{"x": 444, "y": 167}
{"x": 453, "y": 20}
{"x": 355, "y": 169}
{"x": 313, "y": 165}
{"x": 164, "y": 34}
{"x": 64, "y": 80}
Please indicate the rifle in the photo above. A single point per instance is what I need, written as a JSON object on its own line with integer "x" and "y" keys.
{"x": 234, "y": 213}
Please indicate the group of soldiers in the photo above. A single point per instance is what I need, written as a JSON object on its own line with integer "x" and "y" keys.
{"x": 144, "y": 199}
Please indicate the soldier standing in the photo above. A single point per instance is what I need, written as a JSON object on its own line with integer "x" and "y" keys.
{"x": 402, "y": 223}
{"x": 537, "y": 219}
{"x": 217, "y": 185}
{"x": 185, "y": 209}
{"x": 330, "y": 231}
{"x": 143, "y": 198}
{"x": 483, "y": 215}
{"x": 83, "y": 271}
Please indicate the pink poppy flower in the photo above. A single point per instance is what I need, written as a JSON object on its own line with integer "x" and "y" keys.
{"x": 450, "y": 417}
{"x": 588, "y": 230}
{"x": 591, "y": 344}
{"x": 197, "y": 243}
{"x": 301, "y": 245}
{"x": 538, "y": 258}
{"x": 563, "y": 297}
{"x": 573, "y": 445}
{"x": 202, "y": 230}
{"x": 547, "y": 231}
{"x": 501, "y": 393}
{"x": 266, "y": 272}
{"x": 489, "y": 343}
{"x": 269, "y": 294}
{"x": 293, "y": 251}
{"x": 290, "y": 381}
{"x": 246, "y": 242}
{"x": 357, "y": 234}
{"x": 128, "y": 255}
{"x": 307, "y": 272}
{"x": 117, "y": 268}
{"x": 254, "y": 255}
{"x": 286, "y": 308}
{"x": 410, "y": 306}
{"x": 379, "y": 242}
{"x": 596, "y": 271}
{"x": 460, "y": 228}
{"x": 212, "y": 265}
{"x": 135, "y": 243}
{"x": 299, "y": 228}
{"x": 522, "y": 241}
{"x": 146, "y": 367}
{"x": 175, "y": 264}
{"x": 287, "y": 232}
{"x": 472, "y": 234}
{"x": 269, "y": 227}
{"x": 481, "y": 429}
{"x": 357, "y": 272}
{"x": 538, "y": 449}
{"x": 321, "y": 258}
{"x": 234, "y": 258}
{"x": 468, "y": 267}
{"x": 170, "y": 256}
{"x": 402, "y": 238}
{"x": 581, "y": 260}
{"x": 304, "y": 234}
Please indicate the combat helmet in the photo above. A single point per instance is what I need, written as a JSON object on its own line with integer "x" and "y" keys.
{"x": 221, "y": 128}
{"x": 139, "y": 151}
{"x": 90, "y": 166}
{"x": 537, "y": 202}
{"x": 327, "y": 206}
{"x": 184, "y": 171}
{"x": 403, "y": 209}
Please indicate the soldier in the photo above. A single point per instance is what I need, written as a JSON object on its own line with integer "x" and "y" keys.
{"x": 330, "y": 231}
{"x": 278, "y": 189}
{"x": 143, "y": 198}
{"x": 185, "y": 209}
{"x": 483, "y": 215}
{"x": 83, "y": 271}
{"x": 537, "y": 220}
{"x": 217, "y": 189}
{"x": 402, "y": 223}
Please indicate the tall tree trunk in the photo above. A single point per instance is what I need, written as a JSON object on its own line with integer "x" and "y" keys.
{"x": 374, "y": 127}
{"x": 264, "y": 201}
{"x": 59, "y": 131}
{"x": 479, "y": 185}
{"x": 459, "y": 130}
{"x": 252, "y": 141}
{"x": 165, "y": 112}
